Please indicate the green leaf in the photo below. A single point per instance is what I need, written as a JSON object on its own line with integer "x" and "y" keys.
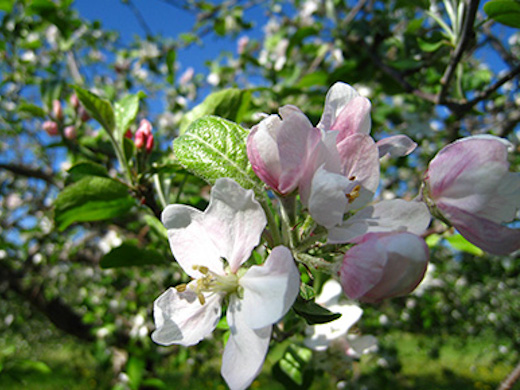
{"x": 91, "y": 199}
{"x": 98, "y": 108}
{"x": 84, "y": 169}
{"x": 312, "y": 79}
{"x": 313, "y": 313}
{"x": 135, "y": 369}
{"x": 156, "y": 225}
{"x": 293, "y": 370}
{"x": 229, "y": 104}
{"x": 460, "y": 243}
{"x": 6, "y": 5}
{"x": 432, "y": 240}
{"x": 504, "y": 11}
{"x": 213, "y": 148}
{"x": 128, "y": 254}
{"x": 125, "y": 111}
{"x": 170, "y": 65}
{"x": 33, "y": 366}
{"x": 32, "y": 109}
{"x": 429, "y": 45}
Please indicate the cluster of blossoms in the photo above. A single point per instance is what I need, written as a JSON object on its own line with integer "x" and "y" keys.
{"x": 333, "y": 169}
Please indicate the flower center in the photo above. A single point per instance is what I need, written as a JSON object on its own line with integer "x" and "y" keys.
{"x": 212, "y": 283}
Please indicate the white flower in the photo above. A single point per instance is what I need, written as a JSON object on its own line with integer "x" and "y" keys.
{"x": 320, "y": 336}
{"x": 211, "y": 246}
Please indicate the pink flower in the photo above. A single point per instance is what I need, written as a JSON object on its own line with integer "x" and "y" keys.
{"x": 383, "y": 265}
{"x": 51, "y": 128}
{"x": 57, "y": 110}
{"x": 211, "y": 247}
{"x": 471, "y": 186}
{"x": 70, "y": 132}
{"x": 143, "y": 136}
{"x": 280, "y": 148}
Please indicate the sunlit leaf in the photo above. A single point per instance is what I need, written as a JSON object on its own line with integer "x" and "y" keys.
{"x": 460, "y": 243}
{"x": 504, "y": 11}
{"x": 98, "y": 108}
{"x": 213, "y": 148}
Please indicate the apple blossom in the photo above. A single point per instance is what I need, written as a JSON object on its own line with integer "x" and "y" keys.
{"x": 50, "y": 128}
{"x": 383, "y": 265}
{"x": 469, "y": 184}
{"x": 211, "y": 247}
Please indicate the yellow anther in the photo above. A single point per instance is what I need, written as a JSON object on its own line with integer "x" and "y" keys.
{"x": 201, "y": 268}
{"x": 181, "y": 287}
{"x": 354, "y": 194}
{"x": 202, "y": 300}
{"x": 352, "y": 178}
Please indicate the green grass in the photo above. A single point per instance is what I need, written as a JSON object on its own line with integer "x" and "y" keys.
{"x": 412, "y": 362}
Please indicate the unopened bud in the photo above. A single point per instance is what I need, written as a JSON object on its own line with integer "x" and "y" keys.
{"x": 57, "y": 111}
{"x": 50, "y": 127}
{"x": 145, "y": 126}
{"x": 128, "y": 134}
{"x": 83, "y": 114}
{"x": 140, "y": 139}
{"x": 70, "y": 132}
{"x": 149, "y": 143}
{"x": 74, "y": 101}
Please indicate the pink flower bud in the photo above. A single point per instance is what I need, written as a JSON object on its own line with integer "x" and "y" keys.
{"x": 51, "y": 128}
{"x": 149, "y": 143}
{"x": 145, "y": 126}
{"x": 140, "y": 139}
{"x": 383, "y": 265}
{"x": 128, "y": 134}
{"x": 74, "y": 101}
{"x": 70, "y": 132}
{"x": 83, "y": 114}
{"x": 57, "y": 111}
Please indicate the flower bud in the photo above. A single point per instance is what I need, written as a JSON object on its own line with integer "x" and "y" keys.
{"x": 83, "y": 114}
{"x": 57, "y": 110}
{"x": 149, "y": 143}
{"x": 128, "y": 134}
{"x": 384, "y": 265}
{"x": 51, "y": 128}
{"x": 74, "y": 101}
{"x": 140, "y": 139}
{"x": 70, "y": 132}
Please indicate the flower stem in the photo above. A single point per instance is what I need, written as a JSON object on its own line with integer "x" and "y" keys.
{"x": 271, "y": 222}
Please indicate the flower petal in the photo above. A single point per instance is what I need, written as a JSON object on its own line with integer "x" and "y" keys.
{"x": 269, "y": 289}
{"x": 245, "y": 350}
{"x": 395, "y": 215}
{"x": 327, "y": 202}
{"x": 234, "y": 220}
{"x": 191, "y": 243}
{"x": 330, "y": 293}
{"x": 362, "y": 267}
{"x": 396, "y": 146}
{"x": 181, "y": 319}
{"x": 337, "y": 97}
{"x": 360, "y": 162}
{"x": 354, "y": 118}
{"x": 487, "y": 235}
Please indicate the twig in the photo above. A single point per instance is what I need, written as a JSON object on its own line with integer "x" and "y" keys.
{"x": 139, "y": 17}
{"x": 467, "y": 33}
{"x": 29, "y": 172}
{"x": 354, "y": 11}
{"x": 511, "y": 379}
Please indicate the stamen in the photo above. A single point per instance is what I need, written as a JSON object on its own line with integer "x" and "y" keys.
{"x": 181, "y": 287}
{"x": 354, "y": 194}
{"x": 352, "y": 178}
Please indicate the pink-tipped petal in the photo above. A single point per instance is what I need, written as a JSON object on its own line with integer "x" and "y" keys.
{"x": 245, "y": 350}
{"x": 354, "y": 118}
{"x": 396, "y": 146}
{"x": 362, "y": 268}
{"x": 487, "y": 235}
{"x": 270, "y": 289}
{"x": 181, "y": 319}
{"x": 337, "y": 97}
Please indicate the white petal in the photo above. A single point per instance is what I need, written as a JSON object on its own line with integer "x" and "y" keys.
{"x": 245, "y": 350}
{"x": 395, "y": 215}
{"x": 234, "y": 220}
{"x": 337, "y": 97}
{"x": 330, "y": 293}
{"x": 191, "y": 243}
{"x": 396, "y": 146}
{"x": 361, "y": 345}
{"x": 270, "y": 289}
{"x": 327, "y": 202}
{"x": 181, "y": 319}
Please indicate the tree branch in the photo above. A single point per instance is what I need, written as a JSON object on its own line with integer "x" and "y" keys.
{"x": 29, "y": 172}
{"x": 465, "y": 38}
{"x": 513, "y": 377}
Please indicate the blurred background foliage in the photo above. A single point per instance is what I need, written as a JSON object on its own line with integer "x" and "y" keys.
{"x": 74, "y": 315}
